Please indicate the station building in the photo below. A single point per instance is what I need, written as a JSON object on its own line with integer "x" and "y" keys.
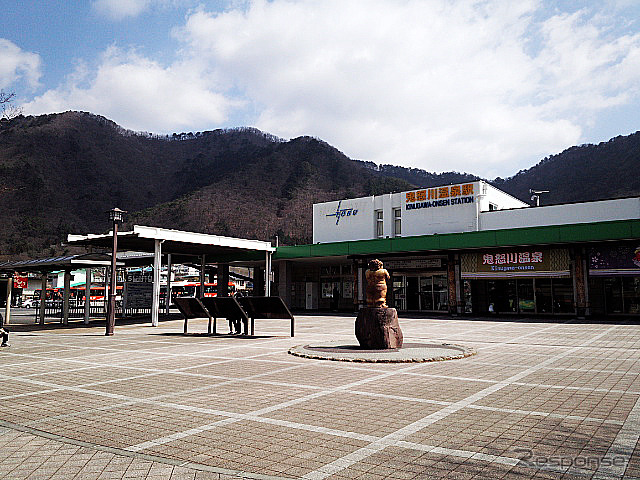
{"x": 469, "y": 249}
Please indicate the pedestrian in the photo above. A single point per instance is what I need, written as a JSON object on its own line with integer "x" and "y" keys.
{"x": 234, "y": 326}
{"x": 4, "y": 333}
{"x": 335, "y": 299}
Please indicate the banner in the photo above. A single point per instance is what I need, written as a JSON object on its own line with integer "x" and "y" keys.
{"x": 612, "y": 259}
{"x": 521, "y": 260}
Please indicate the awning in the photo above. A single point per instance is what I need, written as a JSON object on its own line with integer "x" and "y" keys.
{"x": 87, "y": 260}
{"x": 179, "y": 243}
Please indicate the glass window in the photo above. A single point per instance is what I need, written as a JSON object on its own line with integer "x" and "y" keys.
{"x": 613, "y": 295}
{"x": 379, "y": 224}
{"x": 543, "y": 295}
{"x": 563, "y": 295}
{"x": 526, "y": 301}
{"x": 327, "y": 289}
{"x": 399, "y": 292}
{"x": 631, "y": 294}
{"x": 468, "y": 305}
{"x": 347, "y": 289}
{"x": 397, "y": 222}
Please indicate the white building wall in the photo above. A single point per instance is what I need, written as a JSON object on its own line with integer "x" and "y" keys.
{"x": 424, "y": 211}
{"x": 356, "y": 221}
{"x": 600, "y": 211}
{"x": 499, "y": 198}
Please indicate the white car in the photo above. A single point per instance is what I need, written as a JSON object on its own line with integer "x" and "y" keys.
{"x": 30, "y": 303}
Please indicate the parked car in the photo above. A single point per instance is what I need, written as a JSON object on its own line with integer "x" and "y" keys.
{"x": 30, "y": 303}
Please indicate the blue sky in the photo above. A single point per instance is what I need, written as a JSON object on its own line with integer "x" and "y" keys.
{"x": 482, "y": 86}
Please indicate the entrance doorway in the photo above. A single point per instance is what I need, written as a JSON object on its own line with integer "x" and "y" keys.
{"x": 421, "y": 292}
{"x": 523, "y": 296}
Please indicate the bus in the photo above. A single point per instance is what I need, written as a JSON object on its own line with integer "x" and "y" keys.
{"x": 190, "y": 289}
{"x": 96, "y": 293}
{"x": 76, "y": 294}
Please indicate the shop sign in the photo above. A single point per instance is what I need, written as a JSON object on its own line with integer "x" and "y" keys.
{"x": 440, "y": 197}
{"x": 138, "y": 295}
{"x": 20, "y": 282}
{"x": 514, "y": 261}
{"x": 347, "y": 289}
{"x": 139, "y": 277}
{"x": 419, "y": 263}
{"x": 618, "y": 257}
{"x": 343, "y": 212}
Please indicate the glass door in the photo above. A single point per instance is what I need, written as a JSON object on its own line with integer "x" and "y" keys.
{"x": 440, "y": 293}
{"x": 426, "y": 293}
{"x": 399, "y": 292}
{"x": 413, "y": 299}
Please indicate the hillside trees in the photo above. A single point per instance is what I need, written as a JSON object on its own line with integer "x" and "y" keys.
{"x": 9, "y": 110}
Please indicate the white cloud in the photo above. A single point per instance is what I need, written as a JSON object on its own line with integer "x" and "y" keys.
{"x": 138, "y": 94}
{"x": 120, "y": 9}
{"x": 439, "y": 85}
{"x": 16, "y": 64}
{"x": 483, "y": 86}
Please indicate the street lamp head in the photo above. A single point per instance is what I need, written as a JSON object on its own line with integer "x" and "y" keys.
{"x": 116, "y": 215}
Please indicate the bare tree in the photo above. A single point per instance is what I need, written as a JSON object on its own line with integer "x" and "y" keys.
{"x": 9, "y": 110}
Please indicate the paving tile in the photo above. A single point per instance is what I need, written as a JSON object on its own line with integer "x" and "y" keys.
{"x": 239, "y": 397}
{"x": 536, "y": 395}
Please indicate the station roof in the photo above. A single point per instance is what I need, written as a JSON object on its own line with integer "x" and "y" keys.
{"x": 182, "y": 244}
{"x": 508, "y": 237}
{"x": 87, "y": 260}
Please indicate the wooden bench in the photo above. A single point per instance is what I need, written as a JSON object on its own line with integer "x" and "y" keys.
{"x": 266, "y": 307}
{"x": 191, "y": 307}
{"x": 226, "y": 307}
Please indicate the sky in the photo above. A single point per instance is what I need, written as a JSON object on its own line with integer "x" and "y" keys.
{"x": 487, "y": 87}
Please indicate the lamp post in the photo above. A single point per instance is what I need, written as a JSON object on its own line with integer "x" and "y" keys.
{"x": 536, "y": 194}
{"x": 115, "y": 215}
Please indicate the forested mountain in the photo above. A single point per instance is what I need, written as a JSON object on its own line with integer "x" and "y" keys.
{"x": 585, "y": 172}
{"x": 61, "y": 173}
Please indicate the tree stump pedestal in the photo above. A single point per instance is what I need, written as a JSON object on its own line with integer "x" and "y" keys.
{"x": 377, "y": 328}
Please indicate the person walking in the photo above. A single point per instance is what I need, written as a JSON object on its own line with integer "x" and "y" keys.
{"x": 4, "y": 333}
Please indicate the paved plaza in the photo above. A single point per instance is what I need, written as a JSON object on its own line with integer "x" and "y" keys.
{"x": 551, "y": 399}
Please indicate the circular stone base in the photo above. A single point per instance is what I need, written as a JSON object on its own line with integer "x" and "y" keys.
{"x": 410, "y": 352}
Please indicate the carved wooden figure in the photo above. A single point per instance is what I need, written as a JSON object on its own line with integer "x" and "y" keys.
{"x": 376, "y": 277}
{"x": 377, "y": 325}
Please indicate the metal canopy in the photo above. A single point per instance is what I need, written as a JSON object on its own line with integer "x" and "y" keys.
{"x": 142, "y": 239}
{"x": 88, "y": 260}
{"x": 210, "y": 249}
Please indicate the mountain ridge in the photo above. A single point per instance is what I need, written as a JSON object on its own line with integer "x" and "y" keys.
{"x": 60, "y": 173}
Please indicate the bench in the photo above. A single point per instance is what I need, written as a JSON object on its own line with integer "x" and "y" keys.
{"x": 191, "y": 307}
{"x": 226, "y": 307}
{"x": 265, "y": 307}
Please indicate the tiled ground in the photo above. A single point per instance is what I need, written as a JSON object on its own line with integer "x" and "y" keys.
{"x": 539, "y": 400}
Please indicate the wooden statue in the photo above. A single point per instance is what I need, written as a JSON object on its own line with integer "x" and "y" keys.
{"x": 377, "y": 325}
{"x": 376, "y": 277}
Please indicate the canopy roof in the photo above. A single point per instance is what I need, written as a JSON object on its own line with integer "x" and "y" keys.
{"x": 508, "y": 237}
{"x": 176, "y": 242}
{"x": 47, "y": 264}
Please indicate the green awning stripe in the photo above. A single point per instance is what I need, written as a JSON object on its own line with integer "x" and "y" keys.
{"x": 545, "y": 235}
